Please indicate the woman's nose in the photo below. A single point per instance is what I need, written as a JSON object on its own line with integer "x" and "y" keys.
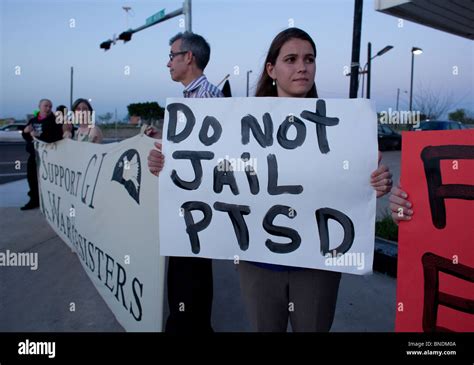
{"x": 301, "y": 66}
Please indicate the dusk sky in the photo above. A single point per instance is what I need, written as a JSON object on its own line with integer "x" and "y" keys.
{"x": 38, "y": 41}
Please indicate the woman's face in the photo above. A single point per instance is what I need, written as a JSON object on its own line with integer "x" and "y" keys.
{"x": 84, "y": 117}
{"x": 45, "y": 107}
{"x": 294, "y": 69}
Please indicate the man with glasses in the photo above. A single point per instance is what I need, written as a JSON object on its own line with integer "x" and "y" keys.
{"x": 189, "y": 56}
{"x": 189, "y": 280}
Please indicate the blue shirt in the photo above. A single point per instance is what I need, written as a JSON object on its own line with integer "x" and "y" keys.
{"x": 275, "y": 267}
{"x": 202, "y": 88}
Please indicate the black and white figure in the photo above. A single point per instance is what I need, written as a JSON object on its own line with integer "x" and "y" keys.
{"x": 128, "y": 172}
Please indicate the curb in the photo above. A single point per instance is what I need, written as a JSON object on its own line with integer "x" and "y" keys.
{"x": 385, "y": 257}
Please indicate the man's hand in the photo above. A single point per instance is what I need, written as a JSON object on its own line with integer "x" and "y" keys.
{"x": 156, "y": 160}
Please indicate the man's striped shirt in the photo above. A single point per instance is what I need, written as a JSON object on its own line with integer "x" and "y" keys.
{"x": 202, "y": 88}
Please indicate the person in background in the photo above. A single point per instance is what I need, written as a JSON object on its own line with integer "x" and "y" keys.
{"x": 43, "y": 127}
{"x": 87, "y": 131}
{"x": 68, "y": 128}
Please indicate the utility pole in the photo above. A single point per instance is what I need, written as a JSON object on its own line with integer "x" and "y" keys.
{"x": 356, "y": 34}
{"x": 369, "y": 68}
{"x": 398, "y": 97}
{"x": 187, "y": 15}
{"x": 127, "y": 9}
{"x": 70, "y": 94}
{"x": 248, "y": 73}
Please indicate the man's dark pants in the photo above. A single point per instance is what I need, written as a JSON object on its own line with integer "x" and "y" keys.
{"x": 190, "y": 294}
{"x": 32, "y": 177}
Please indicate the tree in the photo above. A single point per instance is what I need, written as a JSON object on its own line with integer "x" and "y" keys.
{"x": 433, "y": 104}
{"x": 460, "y": 115}
{"x": 105, "y": 118}
{"x": 149, "y": 112}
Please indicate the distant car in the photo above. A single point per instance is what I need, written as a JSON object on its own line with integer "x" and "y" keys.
{"x": 440, "y": 125}
{"x": 12, "y": 132}
{"x": 388, "y": 138}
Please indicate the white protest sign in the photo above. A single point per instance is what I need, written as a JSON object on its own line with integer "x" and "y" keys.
{"x": 274, "y": 180}
{"x": 103, "y": 202}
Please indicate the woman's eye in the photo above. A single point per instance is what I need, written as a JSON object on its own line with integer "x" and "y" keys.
{"x": 290, "y": 59}
{"x": 310, "y": 60}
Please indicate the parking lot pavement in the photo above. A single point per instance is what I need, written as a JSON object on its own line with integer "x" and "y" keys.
{"x": 40, "y": 300}
{"x": 13, "y": 157}
{"x": 14, "y": 193}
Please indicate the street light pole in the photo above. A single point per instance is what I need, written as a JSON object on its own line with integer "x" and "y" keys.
{"x": 369, "y": 62}
{"x": 368, "y": 68}
{"x": 127, "y": 9}
{"x": 248, "y": 73}
{"x": 414, "y": 51}
{"x": 398, "y": 97}
{"x": 369, "y": 65}
{"x": 72, "y": 80}
{"x": 362, "y": 72}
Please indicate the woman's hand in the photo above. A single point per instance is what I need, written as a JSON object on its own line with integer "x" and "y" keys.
{"x": 67, "y": 130}
{"x": 156, "y": 160}
{"x": 399, "y": 205}
{"x": 381, "y": 179}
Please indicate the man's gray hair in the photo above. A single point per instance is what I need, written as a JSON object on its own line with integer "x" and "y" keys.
{"x": 197, "y": 45}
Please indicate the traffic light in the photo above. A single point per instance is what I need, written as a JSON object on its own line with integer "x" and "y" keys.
{"x": 106, "y": 45}
{"x": 125, "y": 36}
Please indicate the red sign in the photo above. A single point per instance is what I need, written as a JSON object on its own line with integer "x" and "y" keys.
{"x": 435, "y": 285}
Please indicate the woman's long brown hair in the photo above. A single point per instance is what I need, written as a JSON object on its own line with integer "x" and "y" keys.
{"x": 265, "y": 83}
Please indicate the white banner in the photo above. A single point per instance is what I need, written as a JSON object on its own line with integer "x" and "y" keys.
{"x": 274, "y": 180}
{"x": 103, "y": 202}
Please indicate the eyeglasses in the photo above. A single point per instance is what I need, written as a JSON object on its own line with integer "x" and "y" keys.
{"x": 173, "y": 54}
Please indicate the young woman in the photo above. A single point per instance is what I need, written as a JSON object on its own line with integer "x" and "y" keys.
{"x": 87, "y": 131}
{"x": 274, "y": 293}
